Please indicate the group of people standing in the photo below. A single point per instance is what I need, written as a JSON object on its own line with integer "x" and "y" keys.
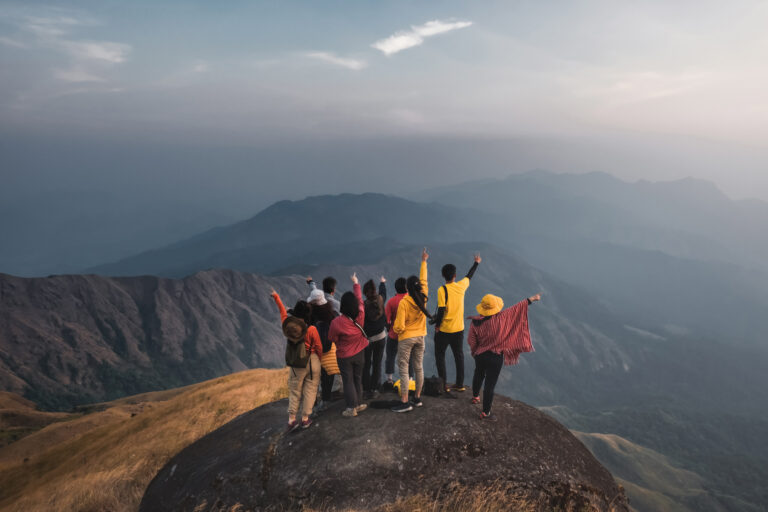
{"x": 352, "y": 336}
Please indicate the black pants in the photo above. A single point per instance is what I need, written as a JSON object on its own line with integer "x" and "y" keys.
{"x": 374, "y": 353}
{"x": 352, "y": 378}
{"x": 487, "y": 367}
{"x": 389, "y": 365}
{"x": 326, "y": 386}
{"x": 455, "y": 340}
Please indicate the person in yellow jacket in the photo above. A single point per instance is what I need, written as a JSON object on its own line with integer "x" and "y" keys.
{"x": 411, "y": 329}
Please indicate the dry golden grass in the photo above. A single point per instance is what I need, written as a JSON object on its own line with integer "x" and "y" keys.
{"x": 104, "y": 460}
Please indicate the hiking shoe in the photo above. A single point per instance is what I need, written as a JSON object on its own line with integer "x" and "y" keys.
{"x": 487, "y": 416}
{"x": 402, "y": 407}
{"x": 475, "y": 399}
{"x": 460, "y": 389}
{"x": 349, "y": 413}
{"x": 361, "y": 408}
{"x": 292, "y": 425}
{"x": 306, "y": 423}
{"x": 416, "y": 402}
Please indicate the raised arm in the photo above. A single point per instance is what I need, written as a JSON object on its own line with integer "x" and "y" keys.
{"x": 280, "y": 306}
{"x": 471, "y": 272}
{"x": 383, "y": 289}
{"x": 423, "y": 272}
{"x": 311, "y": 283}
{"x": 534, "y": 298}
{"x": 359, "y": 294}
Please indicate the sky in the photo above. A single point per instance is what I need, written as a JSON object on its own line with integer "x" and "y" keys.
{"x": 225, "y": 107}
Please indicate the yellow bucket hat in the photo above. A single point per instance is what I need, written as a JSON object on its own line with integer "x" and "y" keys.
{"x": 490, "y": 305}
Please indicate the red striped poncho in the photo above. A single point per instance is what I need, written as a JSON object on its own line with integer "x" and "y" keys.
{"x": 503, "y": 333}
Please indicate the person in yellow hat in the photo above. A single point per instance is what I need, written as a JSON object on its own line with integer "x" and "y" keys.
{"x": 496, "y": 337}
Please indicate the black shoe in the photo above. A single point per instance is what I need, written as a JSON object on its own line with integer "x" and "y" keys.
{"x": 416, "y": 402}
{"x": 402, "y": 407}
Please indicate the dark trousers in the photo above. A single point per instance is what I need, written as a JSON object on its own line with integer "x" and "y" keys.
{"x": 374, "y": 353}
{"x": 487, "y": 367}
{"x": 326, "y": 386}
{"x": 352, "y": 378}
{"x": 455, "y": 340}
{"x": 389, "y": 364}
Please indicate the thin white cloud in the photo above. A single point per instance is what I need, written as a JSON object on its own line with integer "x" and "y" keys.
{"x": 76, "y": 75}
{"x": 87, "y": 59}
{"x": 12, "y": 42}
{"x": 100, "y": 51}
{"x": 404, "y": 39}
{"x": 344, "y": 62}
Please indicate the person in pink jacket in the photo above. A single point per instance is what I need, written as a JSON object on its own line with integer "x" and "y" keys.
{"x": 347, "y": 333}
{"x": 497, "y": 337}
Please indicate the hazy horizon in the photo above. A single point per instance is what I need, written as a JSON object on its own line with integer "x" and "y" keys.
{"x": 161, "y": 119}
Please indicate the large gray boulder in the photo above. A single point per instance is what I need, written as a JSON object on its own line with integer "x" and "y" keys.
{"x": 380, "y": 457}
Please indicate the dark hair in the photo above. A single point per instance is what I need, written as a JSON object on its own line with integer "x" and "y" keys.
{"x": 369, "y": 290}
{"x": 329, "y": 285}
{"x": 322, "y": 313}
{"x": 349, "y": 305}
{"x": 449, "y": 271}
{"x": 302, "y": 310}
{"x": 400, "y": 285}
{"x": 413, "y": 285}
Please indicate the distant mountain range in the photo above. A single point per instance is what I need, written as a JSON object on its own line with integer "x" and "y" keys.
{"x": 654, "y": 295}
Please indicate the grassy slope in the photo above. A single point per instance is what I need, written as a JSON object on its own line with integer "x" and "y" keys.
{"x": 104, "y": 460}
{"x": 652, "y": 482}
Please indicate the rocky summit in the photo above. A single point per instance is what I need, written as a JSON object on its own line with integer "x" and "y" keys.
{"x": 381, "y": 458}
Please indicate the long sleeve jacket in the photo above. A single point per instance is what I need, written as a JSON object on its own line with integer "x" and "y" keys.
{"x": 410, "y": 321}
{"x": 311, "y": 339}
{"x": 348, "y": 334}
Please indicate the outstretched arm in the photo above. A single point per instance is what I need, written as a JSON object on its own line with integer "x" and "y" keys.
{"x": 383, "y": 288}
{"x": 534, "y": 298}
{"x": 423, "y": 272}
{"x": 311, "y": 283}
{"x": 280, "y": 306}
{"x": 471, "y": 272}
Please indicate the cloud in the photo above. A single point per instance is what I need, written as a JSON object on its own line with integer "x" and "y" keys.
{"x": 404, "y": 39}
{"x": 100, "y": 51}
{"x": 76, "y": 75}
{"x": 344, "y": 62}
{"x": 200, "y": 67}
{"x": 12, "y": 42}
{"x": 87, "y": 59}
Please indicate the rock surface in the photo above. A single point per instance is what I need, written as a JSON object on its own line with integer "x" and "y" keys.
{"x": 380, "y": 457}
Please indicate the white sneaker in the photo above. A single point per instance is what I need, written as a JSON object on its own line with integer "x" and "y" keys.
{"x": 349, "y": 412}
{"x": 361, "y": 408}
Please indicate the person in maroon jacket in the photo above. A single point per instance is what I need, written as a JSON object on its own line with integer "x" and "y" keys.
{"x": 347, "y": 333}
{"x": 497, "y": 337}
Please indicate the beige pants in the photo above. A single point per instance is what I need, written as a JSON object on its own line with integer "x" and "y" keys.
{"x": 405, "y": 348}
{"x": 302, "y": 387}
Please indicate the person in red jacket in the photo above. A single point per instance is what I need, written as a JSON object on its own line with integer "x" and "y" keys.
{"x": 347, "y": 333}
{"x": 497, "y": 337}
{"x": 302, "y": 382}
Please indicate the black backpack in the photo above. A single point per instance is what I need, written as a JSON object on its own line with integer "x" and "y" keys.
{"x": 322, "y": 329}
{"x": 434, "y": 386}
{"x": 296, "y": 355}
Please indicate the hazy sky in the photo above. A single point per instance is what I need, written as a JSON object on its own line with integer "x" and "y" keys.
{"x": 243, "y": 103}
